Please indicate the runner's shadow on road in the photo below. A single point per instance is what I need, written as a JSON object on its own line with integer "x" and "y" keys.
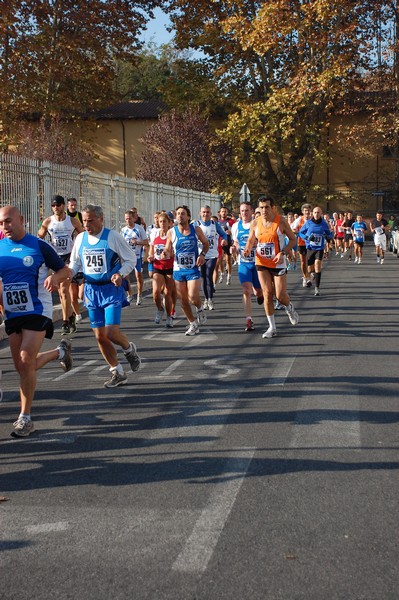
{"x": 197, "y": 469}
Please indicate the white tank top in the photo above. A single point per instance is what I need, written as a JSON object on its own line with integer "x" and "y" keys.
{"x": 61, "y": 233}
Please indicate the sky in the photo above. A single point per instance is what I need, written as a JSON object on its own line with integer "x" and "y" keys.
{"x": 156, "y": 30}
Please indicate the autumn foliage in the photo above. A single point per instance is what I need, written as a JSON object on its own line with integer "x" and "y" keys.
{"x": 180, "y": 150}
{"x": 59, "y": 57}
{"x": 288, "y": 64}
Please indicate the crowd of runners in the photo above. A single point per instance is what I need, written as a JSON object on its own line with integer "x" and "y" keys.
{"x": 187, "y": 255}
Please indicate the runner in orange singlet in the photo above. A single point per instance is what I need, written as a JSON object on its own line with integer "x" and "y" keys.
{"x": 268, "y": 233}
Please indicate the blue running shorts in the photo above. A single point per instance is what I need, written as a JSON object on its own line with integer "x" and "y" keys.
{"x": 104, "y": 304}
{"x": 247, "y": 273}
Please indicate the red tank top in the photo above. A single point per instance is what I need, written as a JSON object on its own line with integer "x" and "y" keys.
{"x": 159, "y": 244}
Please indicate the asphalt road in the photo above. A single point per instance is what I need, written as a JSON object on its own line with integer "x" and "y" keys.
{"x": 230, "y": 467}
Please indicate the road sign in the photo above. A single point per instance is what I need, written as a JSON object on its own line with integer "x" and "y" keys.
{"x": 245, "y": 194}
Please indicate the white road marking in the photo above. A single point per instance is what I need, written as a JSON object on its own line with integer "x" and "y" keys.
{"x": 169, "y": 370}
{"x": 281, "y": 371}
{"x": 75, "y": 370}
{"x": 213, "y": 364}
{"x": 201, "y": 544}
{"x": 206, "y": 418}
{"x": 335, "y": 425}
{"x": 178, "y": 338}
{"x": 47, "y": 527}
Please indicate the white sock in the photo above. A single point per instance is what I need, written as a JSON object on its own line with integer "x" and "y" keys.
{"x": 118, "y": 369}
{"x": 25, "y": 416}
{"x": 272, "y": 321}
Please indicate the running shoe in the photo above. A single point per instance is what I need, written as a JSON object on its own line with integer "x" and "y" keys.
{"x": 220, "y": 280}
{"x": 359, "y": 261}
{"x": 317, "y": 292}
{"x": 22, "y": 427}
{"x": 312, "y": 275}
{"x": 278, "y": 306}
{"x": 72, "y": 324}
{"x": 205, "y": 305}
{"x": 308, "y": 283}
{"x": 211, "y": 306}
{"x": 250, "y": 325}
{"x": 78, "y": 318}
{"x": 304, "y": 282}
{"x": 115, "y": 380}
{"x": 382, "y": 261}
{"x": 169, "y": 322}
{"x": 65, "y": 329}
{"x": 158, "y": 316}
{"x": 270, "y": 333}
{"x": 173, "y": 314}
{"x": 355, "y": 259}
{"x": 193, "y": 329}
{"x": 133, "y": 358}
{"x": 201, "y": 316}
{"x": 66, "y": 361}
{"x": 294, "y": 267}
{"x": 228, "y": 280}
{"x": 378, "y": 259}
{"x": 292, "y": 314}
{"x": 289, "y": 267}
{"x": 130, "y": 299}
{"x": 138, "y": 301}
{"x": 260, "y": 300}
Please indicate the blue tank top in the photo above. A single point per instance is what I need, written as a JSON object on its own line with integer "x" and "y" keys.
{"x": 242, "y": 238}
{"x": 185, "y": 248}
{"x": 24, "y": 266}
{"x": 99, "y": 261}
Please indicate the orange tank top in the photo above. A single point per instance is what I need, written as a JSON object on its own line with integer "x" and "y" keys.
{"x": 301, "y": 242}
{"x": 268, "y": 243}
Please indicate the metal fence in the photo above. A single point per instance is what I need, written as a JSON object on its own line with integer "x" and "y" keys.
{"x": 30, "y": 184}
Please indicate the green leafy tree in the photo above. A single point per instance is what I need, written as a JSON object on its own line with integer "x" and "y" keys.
{"x": 174, "y": 76}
